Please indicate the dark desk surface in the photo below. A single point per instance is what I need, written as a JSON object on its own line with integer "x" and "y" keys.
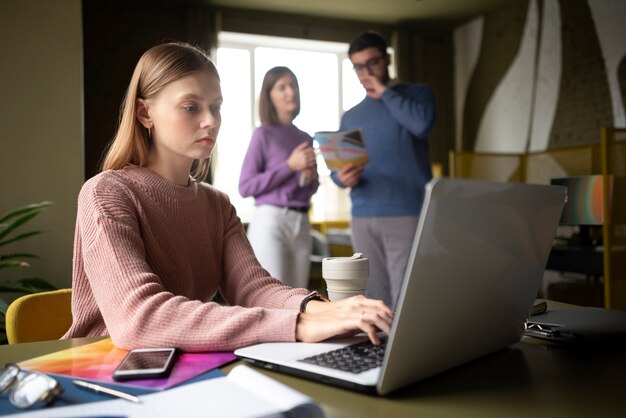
{"x": 529, "y": 379}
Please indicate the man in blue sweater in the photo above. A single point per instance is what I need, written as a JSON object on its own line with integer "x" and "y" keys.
{"x": 387, "y": 192}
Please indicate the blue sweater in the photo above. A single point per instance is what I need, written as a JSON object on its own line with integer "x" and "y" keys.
{"x": 395, "y": 130}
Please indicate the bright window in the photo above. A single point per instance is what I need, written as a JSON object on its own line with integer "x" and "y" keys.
{"x": 328, "y": 87}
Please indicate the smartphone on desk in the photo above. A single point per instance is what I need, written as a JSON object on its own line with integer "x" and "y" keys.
{"x": 146, "y": 363}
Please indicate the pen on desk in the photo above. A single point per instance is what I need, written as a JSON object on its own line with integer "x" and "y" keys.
{"x": 101, "y": 389}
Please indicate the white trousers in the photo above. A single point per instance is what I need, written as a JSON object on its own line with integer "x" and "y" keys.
{"x": 281, "y": 240}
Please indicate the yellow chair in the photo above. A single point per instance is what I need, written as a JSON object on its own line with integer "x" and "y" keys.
{"x": 39, "y": 317}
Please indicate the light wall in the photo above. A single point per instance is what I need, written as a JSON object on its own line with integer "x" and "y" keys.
{"x": 41, "y": 126}
{"x": 538, "y": 75}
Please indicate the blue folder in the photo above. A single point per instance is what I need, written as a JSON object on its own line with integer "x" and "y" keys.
{"x": 73, "y": 395}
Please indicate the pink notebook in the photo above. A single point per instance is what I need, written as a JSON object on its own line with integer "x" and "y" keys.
{"x": 96, "y": 361}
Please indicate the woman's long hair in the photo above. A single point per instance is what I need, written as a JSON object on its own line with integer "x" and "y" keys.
{"x": 267, "y": 111}
{"x": 156, "y": 68}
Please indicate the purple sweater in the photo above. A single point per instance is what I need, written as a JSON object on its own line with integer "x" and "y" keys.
{"x": 265, "y": 174}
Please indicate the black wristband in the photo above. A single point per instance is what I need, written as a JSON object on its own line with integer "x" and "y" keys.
{"x": 311, "y": 296}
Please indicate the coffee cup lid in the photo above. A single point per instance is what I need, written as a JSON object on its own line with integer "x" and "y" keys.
{"x": 356, "y": 262}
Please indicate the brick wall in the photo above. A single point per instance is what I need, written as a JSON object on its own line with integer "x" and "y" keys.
{"x": 581, "y": 103}
{"x": 584, "y": 103}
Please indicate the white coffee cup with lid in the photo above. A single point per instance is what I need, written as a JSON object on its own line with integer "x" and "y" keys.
{"x": 345, "y": 276}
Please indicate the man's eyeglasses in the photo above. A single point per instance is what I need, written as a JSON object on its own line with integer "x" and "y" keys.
{"x": 370, "y": 64}
{"x": 28, "y": 389}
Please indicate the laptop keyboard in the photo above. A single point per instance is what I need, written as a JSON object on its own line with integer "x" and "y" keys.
{"x": 355, "y": 358}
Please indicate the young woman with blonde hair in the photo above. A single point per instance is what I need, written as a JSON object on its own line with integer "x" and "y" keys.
{"x": 154, "y": 244}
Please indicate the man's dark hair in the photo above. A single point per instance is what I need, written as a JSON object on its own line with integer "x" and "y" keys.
{"x": 369, "y": 39}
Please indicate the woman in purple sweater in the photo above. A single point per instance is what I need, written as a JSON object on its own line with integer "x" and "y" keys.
{"x": 279, "y": 171}
{"x": 154, "y": 243}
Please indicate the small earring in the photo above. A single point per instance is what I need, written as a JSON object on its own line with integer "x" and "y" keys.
{"x": 149, "y": 133}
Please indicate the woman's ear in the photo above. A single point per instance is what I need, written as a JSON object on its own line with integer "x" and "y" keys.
{"x": 142, "y": 113}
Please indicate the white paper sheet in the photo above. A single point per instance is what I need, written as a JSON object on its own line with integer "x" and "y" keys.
{"x": 243, "y": 393}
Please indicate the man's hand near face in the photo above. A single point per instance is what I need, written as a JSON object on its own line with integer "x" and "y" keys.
{"x": 373, "y": 86}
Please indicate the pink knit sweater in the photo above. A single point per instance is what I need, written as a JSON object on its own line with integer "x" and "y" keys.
{"x": 149, "y": 256}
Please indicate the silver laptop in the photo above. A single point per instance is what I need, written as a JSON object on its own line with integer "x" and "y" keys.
{"x": 475, "y": 267}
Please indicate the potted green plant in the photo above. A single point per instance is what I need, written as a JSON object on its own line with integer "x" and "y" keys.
{"x": 11, "y": 226}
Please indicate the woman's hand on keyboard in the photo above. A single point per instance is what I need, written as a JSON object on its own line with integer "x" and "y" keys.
{"x": 323, "y": 320}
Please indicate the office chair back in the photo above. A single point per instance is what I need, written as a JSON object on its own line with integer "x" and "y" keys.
{"x": 39, "y": 317}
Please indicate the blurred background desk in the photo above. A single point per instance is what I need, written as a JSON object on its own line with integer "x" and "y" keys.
{"x": 577, "y": 259}
{"x": 530, "y": 378}
{"x": 581, "y": 275}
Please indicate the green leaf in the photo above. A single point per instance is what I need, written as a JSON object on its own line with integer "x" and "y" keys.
{"x": 10, "y": 227}
{"x": 9, "y": 224}
{"x": 20, "y": 237}
{"x": 3, "y": 308}
{"x": 13, "y": 263}
{"x": 30, "y": 285}
{"x": 25, "y": 209}
{"x": 17, "y": 255}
